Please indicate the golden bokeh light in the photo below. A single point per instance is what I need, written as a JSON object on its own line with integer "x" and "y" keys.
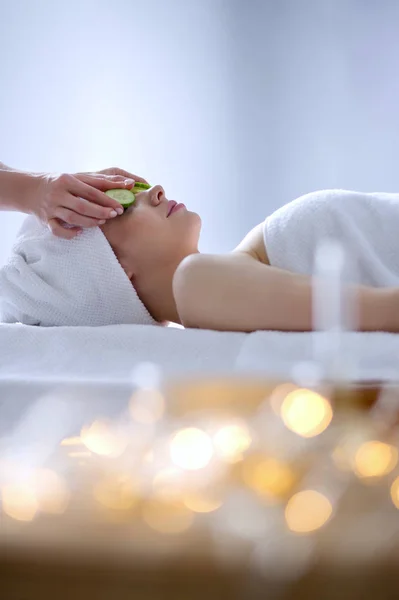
{"x": 279, "y": 394}
{"x": 375, "y": 459}
{"x": 42, "y": 490}
{"x": 306, "y": 413}
{"x": 170, "y": 517}
{"x": 148, "y": 457}
{"x": 147, "y": 406}
{"x": 71, "y": 441}
{"x": 167, "y": 483}
{"x": 101, "y": 439}
{"x": 395, "y": 492}
{"x": 19, "y": 501}
{"x": 231, "y": 441}
{"x": 117, "y": 492}
{"x": 201, "y": 502}
{"x": 80, "y": 454}
{"x": 51, "y": 491}
{"x": 191, "y": 448}
{"x": 268, "y": 477}
{"x": 307, "y": 511}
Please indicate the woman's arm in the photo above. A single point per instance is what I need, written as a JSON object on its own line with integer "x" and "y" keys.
{"x": 235, "y": 292}
{"x": 78, "y": 200}
{"x": 16, "y": 188}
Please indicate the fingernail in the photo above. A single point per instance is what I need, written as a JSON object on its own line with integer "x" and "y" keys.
{"x": 101, "y": 222}
{"x": 113, "y": 213}
{"x": 119, "y": 211}
{"x": 129, "y": 181}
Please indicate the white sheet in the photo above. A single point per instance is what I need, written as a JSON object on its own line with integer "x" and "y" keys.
{"x": 108, "y": 354}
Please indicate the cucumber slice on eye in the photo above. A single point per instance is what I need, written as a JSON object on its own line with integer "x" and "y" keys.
{"x": 127, "y": 197}
{"x": 139, "y": 186}
{"x": 124, "y": 197}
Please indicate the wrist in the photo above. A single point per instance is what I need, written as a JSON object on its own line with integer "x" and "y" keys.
{"x": 29, "y": 186}
{"x": 19, "y": 190}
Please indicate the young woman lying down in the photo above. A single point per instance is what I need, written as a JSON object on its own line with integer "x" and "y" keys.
{"x": 144, "y": 267}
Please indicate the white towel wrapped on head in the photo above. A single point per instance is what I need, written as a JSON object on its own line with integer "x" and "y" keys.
{"x": 50, "y": 281}
{"x": 366, "y": 224}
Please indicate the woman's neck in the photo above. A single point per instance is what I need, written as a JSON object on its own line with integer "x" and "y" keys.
{"x": 156, "y": 293}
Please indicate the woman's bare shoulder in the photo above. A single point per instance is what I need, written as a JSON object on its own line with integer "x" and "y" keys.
{"x": 253, "y": 245}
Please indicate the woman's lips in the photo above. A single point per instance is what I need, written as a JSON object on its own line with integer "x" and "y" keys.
{"x": 177, "y": 206}
{"x": 173, "y": 206}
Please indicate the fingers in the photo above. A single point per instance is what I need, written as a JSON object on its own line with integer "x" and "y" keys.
{"x": 88, "y": 191}
{"x": 123, "y": 173}
{"x": 73, "y": 218}
{"x": 101, "y": 179}
{"x": 62, "y": 232}
{"x": 93, "y": 211}
{"x": 131, "y": 175}
{"x": 99, "y": 175}
{"x": 108, "y": 182}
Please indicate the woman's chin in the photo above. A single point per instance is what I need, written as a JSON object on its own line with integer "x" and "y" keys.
{"x": 195, "y": 216}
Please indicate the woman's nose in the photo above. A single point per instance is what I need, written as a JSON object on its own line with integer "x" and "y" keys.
{"x": 157, "y": 194}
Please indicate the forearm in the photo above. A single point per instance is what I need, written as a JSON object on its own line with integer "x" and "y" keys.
{"x": 234, "y": 292}
{"x": 16, "y": 187}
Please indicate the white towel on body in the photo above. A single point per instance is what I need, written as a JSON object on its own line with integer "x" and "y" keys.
{"x": 50, "y": 281}
{"x": 366, "y": 224}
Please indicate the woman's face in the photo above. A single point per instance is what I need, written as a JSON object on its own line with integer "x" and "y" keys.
{"x": 152, "y": 234}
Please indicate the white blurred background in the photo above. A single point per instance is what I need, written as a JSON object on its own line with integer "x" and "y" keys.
{"x": 235, "y": 106}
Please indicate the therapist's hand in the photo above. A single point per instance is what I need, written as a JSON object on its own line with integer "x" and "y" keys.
{"x": 70, "y": 202}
